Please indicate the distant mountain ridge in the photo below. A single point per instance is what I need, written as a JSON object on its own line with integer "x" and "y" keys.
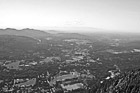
{"x": 24, "y": 32}
{"x": 41, "y": 33}
{"x": 57, "y": 34}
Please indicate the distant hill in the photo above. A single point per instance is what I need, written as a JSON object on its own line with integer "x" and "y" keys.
{"x": 24, "y": 32}
{"x": 60, "y": 35}
{"x": 70, "y": 36}
{"x": 41, "y": 34}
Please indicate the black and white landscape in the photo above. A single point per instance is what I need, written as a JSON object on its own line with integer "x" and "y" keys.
{"x": 69, "y": 46}
{"x": 34, "y": 61}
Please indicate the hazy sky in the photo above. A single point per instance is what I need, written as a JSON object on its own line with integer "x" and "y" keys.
{"x": 104, "y": 14}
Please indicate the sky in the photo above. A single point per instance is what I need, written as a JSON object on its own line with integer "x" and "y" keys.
{"x": 110, "y": 15}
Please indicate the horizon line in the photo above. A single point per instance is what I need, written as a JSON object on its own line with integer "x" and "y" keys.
{"x": 71, "y": 29}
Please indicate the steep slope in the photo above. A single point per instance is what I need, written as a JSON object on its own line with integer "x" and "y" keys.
{"x": 128, "y": 82}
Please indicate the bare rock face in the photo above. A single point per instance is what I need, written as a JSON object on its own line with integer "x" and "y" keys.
{"x": 128, "y": 82}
